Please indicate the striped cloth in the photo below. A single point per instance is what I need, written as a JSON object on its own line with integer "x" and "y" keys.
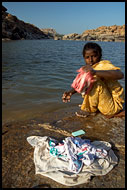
{"x": 83, "y": 82}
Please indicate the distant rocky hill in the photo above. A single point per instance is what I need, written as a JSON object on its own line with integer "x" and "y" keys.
{"x": 15, "y": 29}
{"x": 49, "y": 31}
{"x": 52, "y": 33}
{"x": 103, "y": 33}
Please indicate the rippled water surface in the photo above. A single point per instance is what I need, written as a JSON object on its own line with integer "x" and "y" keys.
{"x": 35, "y": 73}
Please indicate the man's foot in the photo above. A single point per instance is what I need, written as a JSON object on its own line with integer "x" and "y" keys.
{"x": 83, "y": 113}
{"x": 120, "y": 114}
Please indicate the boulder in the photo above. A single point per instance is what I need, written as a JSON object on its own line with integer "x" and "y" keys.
{"x": 57, "y": 38}
{"x": 106, "y": 37}
{"x": 71, "y": 36}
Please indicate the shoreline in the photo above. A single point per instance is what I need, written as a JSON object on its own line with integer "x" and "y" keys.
{"x": 7, "y": 39}
{"x": 26, "y": 116}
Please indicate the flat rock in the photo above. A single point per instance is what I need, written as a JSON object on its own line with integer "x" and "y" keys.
{"x": 18, "y": 169}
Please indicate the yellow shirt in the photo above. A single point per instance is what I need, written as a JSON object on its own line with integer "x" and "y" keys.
{"x": 113, "y": 85}
{"x": 107, "y": 96}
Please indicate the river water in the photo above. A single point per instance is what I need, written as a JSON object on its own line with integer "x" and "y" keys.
{"x": 35, "y": 73}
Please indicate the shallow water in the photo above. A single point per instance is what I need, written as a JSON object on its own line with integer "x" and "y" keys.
{"x": 35, "y": 73}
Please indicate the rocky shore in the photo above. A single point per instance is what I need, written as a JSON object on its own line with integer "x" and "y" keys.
{"x": 103, "y": 33}
{"x": 18, "y": 169}
{"x": 15, "y": 29}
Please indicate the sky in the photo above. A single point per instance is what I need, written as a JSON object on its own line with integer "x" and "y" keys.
{"x": 68, "y": 17}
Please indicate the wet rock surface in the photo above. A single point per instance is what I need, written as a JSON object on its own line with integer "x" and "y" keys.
{"x": 18, "y": 170}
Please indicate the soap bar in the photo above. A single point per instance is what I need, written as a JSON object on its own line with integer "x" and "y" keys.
{"x": 77, "y": 133}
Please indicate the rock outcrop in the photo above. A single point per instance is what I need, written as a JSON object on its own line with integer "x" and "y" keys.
{"x": 103, "y": 33}
{"x": 15, "y": 29}
{"x": 49, "y": 31}
{"x": 72, "y": 36}
{"x": 52, "y": 33}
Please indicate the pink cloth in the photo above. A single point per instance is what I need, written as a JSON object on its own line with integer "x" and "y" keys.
{"x": 83, "y": 79}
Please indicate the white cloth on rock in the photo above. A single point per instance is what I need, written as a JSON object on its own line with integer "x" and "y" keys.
{"x": 59, "y": 169}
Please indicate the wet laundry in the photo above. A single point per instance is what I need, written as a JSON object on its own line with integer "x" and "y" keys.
{"x": 77, "y": 152}
{"x": 73, "y": 160}
{"x": 83, "y": 81}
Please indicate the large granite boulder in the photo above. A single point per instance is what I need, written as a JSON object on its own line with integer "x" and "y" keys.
{"x": 71, "y": 36}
